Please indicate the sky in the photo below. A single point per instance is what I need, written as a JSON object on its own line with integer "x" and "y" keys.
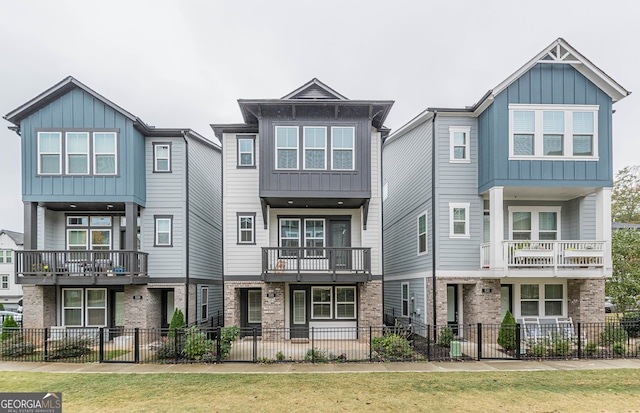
{"x": 184, "y": 64}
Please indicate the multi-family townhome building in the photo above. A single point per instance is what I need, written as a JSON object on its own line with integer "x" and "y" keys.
{"x": 505, "y": 204}
{"x": 10, "y": 291}
{"x": 302, "y": 211}
{"x": 122, "y": 220}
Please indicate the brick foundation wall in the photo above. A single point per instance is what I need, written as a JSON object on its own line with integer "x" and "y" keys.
{"x": 586, "y": 300}
{"x": 39, "y": 306}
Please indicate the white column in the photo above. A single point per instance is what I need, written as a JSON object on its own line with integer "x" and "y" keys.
{"x": 496, "y": 211}
{"x": 603, "y": 224}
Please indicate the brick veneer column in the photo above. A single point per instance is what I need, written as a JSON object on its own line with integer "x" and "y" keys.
{"x": 370, "y": 304}
{"x": 586, "y": 300}
{"x": 39, "y": 306}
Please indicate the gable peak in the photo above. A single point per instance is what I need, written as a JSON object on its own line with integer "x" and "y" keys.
{"x": 314, "y": 90}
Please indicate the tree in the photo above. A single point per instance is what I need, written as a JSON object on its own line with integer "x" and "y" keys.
{"x": 625, "y": 199}
{"x": 624, "y": 285}
{"x": 507, "y": 333}
{"x": 177, "y": 321}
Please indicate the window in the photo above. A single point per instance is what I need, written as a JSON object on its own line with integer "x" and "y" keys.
{"x": 345, "y": 302}
{"x": 286, "y": 147}
{"x": 534, "y": 223}
{"x": 89, "y": 232}
{"x": 246, "y": 228}
{"x": 553, "y": 131}
{"x": 204, "y": 306}
{"x": 385, "y": 191}
{"x": 321, "y": 298}
{"x": 459, "y": 220}
{"x": 342, "y": 147}
{"x": 72, "y": 307}
{"x": 529, "y": 300}
{"x": 459, "y": 143}
{"x": 553, "y": 295}
{"x": 405, "y": 299}
{"x": 246, "y": 157}
{"x": 161, "y": 157}
{"x": 77, "y": 153}
{"x": 163, "y": 231}
{"x": 422, "y": 233}
{"x": 49, "y": 153}
{"x": 6, "y": 256}
{"x": 96, "y": 307}
{"x": 104, "y": 153}
{"x": 4, "y": 281}
{"x": 314, "y": 237}
{"x": 315, "y": 142}
{"x": 254, "y": 302}
{"x": 289, "y": 236}
{"x": 542, "y": 300}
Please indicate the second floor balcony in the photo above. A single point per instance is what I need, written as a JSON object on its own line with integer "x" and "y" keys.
{"x": 81, "y": 267}
{"x": 332, "y": 264}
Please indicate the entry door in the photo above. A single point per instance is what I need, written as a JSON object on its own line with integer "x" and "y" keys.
{"x": 251, "y": 310}
{"x": 340, "y": 237}
{"x": 506, "y": 292}
{"x": 166, "y": 307}
{"x": 452, "y": 307}
{"x": 300, "y": 311}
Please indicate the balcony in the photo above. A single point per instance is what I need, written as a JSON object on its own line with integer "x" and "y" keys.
{"x": 81, "y": 267}
{"x": 552, "y": 255}
{"x": 286, "y": 264}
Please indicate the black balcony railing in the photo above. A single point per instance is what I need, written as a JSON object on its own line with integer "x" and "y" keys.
{"x": 81, "y": 263}
{"x": 331, "y": 263}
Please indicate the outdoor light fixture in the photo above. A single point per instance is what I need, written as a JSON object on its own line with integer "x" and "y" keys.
{"x": 289, "y": 202}
{"x": 340, "y": 202}
{"x": 72, "y": 205}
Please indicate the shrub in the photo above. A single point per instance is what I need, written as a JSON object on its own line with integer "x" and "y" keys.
{"x": 562, "y": 348}
{"x": 446, "y": 337}
{"x": 613, "y": 334}
{"x": 631, "y": 323}
{"x": 538, "y": 350}
{"x": 280, "y": 356}
{"x": 17, "y": 346}
{"x": 314, "y": 354}
{"x": 9, "y": 327}
{"x": 71, "y": 347}
{"x": 177, "y": 321}
{"x": 591, "y": 349}
{"x": 196, "y": 344}
{"x": 392, "y": 347}
{"x": 166, "y": 350}
{"x": 227, "y": 336}
{"x": 1, "y": 307}
{"x": 507, "y": 333}
{"x": 619, "y": 349}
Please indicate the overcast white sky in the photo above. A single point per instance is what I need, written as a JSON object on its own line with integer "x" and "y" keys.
{"x": 185, "y": 63}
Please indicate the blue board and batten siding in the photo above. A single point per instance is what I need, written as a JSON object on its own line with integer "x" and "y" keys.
{"x": 79, "y": 110}
{"x": 543, "y": 84}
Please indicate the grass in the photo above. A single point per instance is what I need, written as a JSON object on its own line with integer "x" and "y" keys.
{"x": 593, "y": 390}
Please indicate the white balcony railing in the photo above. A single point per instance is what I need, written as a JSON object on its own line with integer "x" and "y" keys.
{"x": 554, "y": 254}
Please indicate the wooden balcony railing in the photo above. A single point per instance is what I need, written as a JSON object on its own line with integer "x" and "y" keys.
{"x": 555, "y": 254}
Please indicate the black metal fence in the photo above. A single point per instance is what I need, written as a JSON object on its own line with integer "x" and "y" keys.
{"x": 405, "y": 340}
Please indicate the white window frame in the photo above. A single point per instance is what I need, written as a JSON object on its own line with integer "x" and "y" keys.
{"x": 420, "y": 234}
{"x": 59, "y": 153}
{"x": 467, "y": 133}
{"x": 157, "y": 157}
{"x": 352, "y": 149}
{"x": 252, "y": 141}
{"x": 157, "y": 242}
{"x": 330, "y": 303}
{"x": 93, "y": 246}
{"x": 69, "y": 153}
{"x": 114, "y": 153}
{"x": 299, "y": 237}
{"x": 323, "y": 238}
{"x": 355, "y": 299}
{"x": 542, "y": 299}
{"x": 79, "y": 229}
{"x": 452, "y": 207}
{"x": 305, "y": 148}
{"x": 86, "y": 307}
{"x": 250, "y": 230}
{"x": 538, "y": 139}
{"x": 404, "y": 299}
{"x": 277, "y": 148}
{"x": 204, "y": 304}
{"x": 535, "y": 228}
{"x": 6, "y": 256}
{"x": 249, "y": 294}
{"x": 4, "y": 281}
{"x": 81, "y": 308}
{"x": 385, "y": 191}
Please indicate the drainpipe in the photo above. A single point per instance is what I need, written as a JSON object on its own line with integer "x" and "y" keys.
{"x": 186, "y": 223}
{"x": 433, "y": 216}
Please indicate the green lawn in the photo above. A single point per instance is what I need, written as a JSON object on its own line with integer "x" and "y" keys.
{"x": 593, "y": 390}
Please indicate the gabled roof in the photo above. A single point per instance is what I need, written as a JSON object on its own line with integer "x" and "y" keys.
{"x": 17, "y": 237}
{"x": 314, "y": 89}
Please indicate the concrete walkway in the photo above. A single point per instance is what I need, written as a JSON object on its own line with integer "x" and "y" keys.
{"x": 250, "y": 368}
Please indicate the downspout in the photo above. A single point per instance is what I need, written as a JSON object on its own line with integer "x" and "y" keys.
{"x": 186, "y": 223}
{"x": 433, "y": 216}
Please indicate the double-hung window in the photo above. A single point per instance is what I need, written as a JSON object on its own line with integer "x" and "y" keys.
{"x": 553, "y": 131}
{"x": 345, "y": 302}
{"x": 314, "y": 237}
{"x": 315, "y": 143}
{"x": 321, "y": 298}
{"x": 163, "y": 231}
{"x": 246, "y": 228}
{"x": 459, "y": 144}
{"x": 204, "y": 303}
{"x": 286, "y": 147}
{"x": 534, "y": 223}
{"x": 4, "y": 281}
{"x": 5, "y": 256}
{"x": 161, "y": 157}
{"x": 342, "y": 148}
{"x": 542, "y": 300}
{"x": 72, "y": 305}
{"x": 422, "y": 233}
{"x": 405, "y": 299}
{"x": 459, "y": 220}
{"x": 104, "y": 153}
{"x": 96, "y": 311}
{"x": 49, "y": 153}
{"x": 289, "y": 236}
{"x": 246, "y": 148}
{"x": 77, "y": 153}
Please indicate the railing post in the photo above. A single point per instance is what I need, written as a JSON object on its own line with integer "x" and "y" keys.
{"x": 46, "y": 344}
{"x": 479, "y": 344}
{"x": 136, "y": 345}
{"x": 518, "y": 344}
{"x": 218, "y": 345}
{"x": 579, "y": 340}
{"x": 176, "y": 332}
{"x": 370, "y": 344}
{"x": 313, "y": 347}
{"x": 255, "y": 345}
{"x": 428, "y": 343}
{"x": 101, "y": 346}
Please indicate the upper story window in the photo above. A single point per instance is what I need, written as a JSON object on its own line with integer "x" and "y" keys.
{"x": 246, "y": 228}
{"x": 459, "y": 144}
{"x": 77, "y": 153}
{"x": 314, "y": 237}
{"x": 286, "y": 147}
{"x": 246, "y": 151}
{"x": 553, "y": 131}
{"x": 6, "y": 256}
{"x": 4, "y": 281}
{"x": 104, "y": 153}
{"x": 534, "y": 223}
{"x": 422, "y": 233}
{"x": 163, "y": 231}
{"x": 342, "y": 147}
{"x": 49, "y": 153}
{"x": 89, "y": 232}
{"x": 315, "y": 143}
{"x": 161, "y": 157}
{"x": 458, "y": 220}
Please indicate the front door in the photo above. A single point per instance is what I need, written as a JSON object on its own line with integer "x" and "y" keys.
{"x": 452, "y": 307}
{"x": 300, "y": 308}
{"x": 166, "y": 307}
{"x": 251, "y": 311}
{"x": 506, "y": 299}
{"x": 340, "y": 238}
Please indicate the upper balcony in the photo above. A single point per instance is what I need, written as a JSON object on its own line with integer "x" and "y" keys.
{"x": 286, "y": 264}
{"x": 67, "y": 267}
